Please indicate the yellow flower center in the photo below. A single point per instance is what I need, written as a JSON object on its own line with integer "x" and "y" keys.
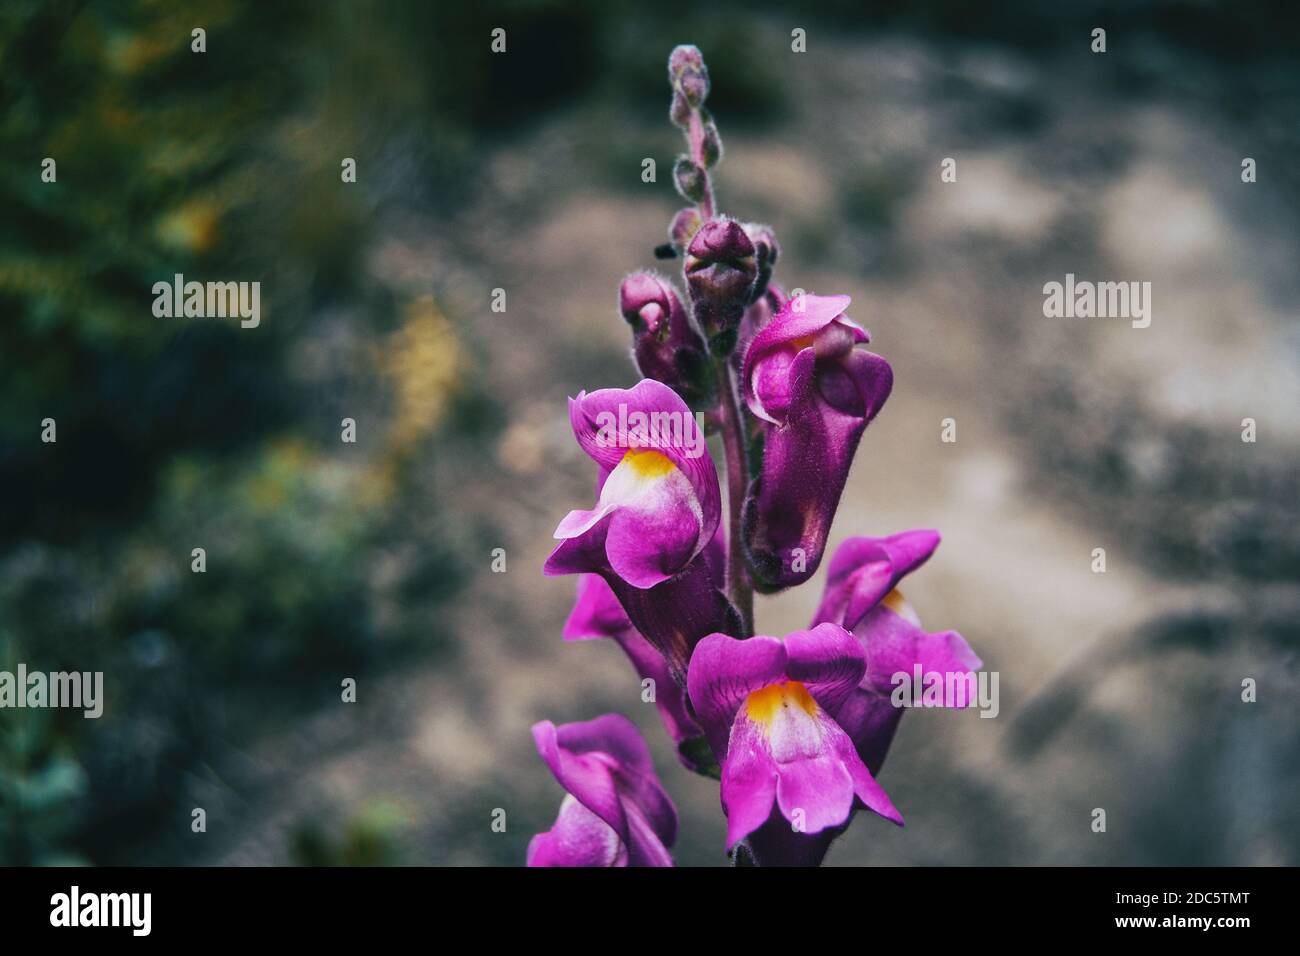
{"x": 762, "y": 706}
{"x": 648, "y": 463}
{"x": 895, "y": 601}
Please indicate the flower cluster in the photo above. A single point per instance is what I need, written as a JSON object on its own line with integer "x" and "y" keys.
{"x": 796, "y": 728}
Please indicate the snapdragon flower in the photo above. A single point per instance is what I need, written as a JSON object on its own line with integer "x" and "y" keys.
{"x": 815, "y": 394}
{"x": 795, "y": 728}
{"x": 615, "y": 812}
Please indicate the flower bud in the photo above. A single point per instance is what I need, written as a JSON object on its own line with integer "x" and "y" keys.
{"x": 720, "y": 273}
{"x": 690, "y": 179}
{"x": 683, "y": 228}
{"x": 767, "y": 252}
{"x": 684, "y": 56}
{"x": 680, "y": 111}
{"x": 688, "y": 75}
{"x": 665, "y": 345}
{"x": 711, "y": 146}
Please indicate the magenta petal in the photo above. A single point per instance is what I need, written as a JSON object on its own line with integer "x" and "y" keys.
{"x": 817, "y": 790}
{"x": 723, "y": 672}
{"x": 578, "y": 838}
{"x": 658, "y": 504}
{"x": 806, "y": 462}
{"x": 596, "y": 612}
{"x": 749, "y": 781}
{"x": 787, "y": 327}
{"x": 827, "y": 660}
{"x": 866, "y": 789}
{"x": 670, "y": 431}
{"x": 584, "y": 775}
{"x": 864, "y": 570}
{"x": 652, "y": 541}
{"x": 871, "y": 721}
{"x": 605, "y": 765}
{"x": 893, "y": 645}
{"x": 763, "y": 703}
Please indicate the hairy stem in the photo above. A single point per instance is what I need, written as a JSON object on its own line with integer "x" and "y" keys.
{"x": 739, "y": 588}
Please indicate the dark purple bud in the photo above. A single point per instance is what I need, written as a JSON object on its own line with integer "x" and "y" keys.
{"x": 691, "y": 180}
{"x": 720, "y": 273}
{"x": 683, "y": 228}
{"x": 767, "y": 252}
{"x": 666, "y": 347}
{"x": 710, "y": 145}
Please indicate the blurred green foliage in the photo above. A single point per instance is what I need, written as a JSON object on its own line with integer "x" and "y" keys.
{"x": 174, "y": 434}
{"x": 370, "y": 838}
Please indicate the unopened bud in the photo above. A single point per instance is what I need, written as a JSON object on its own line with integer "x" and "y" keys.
{"x": 766, "y": 253}
{"x": 688, "y": 75}
{"x": 680, "y": 111}
{"x": 665, "y": 345}
{"x": 691, "y": 180}
{"x": 683, "y": 228}
{"x": 684, "y": 56}
{"x": 720, "y": 273}
{"x": 710, "y": 145}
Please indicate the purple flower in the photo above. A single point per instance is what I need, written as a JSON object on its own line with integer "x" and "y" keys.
{"x": 766, "y": 705}
{"x": 615, "y": 811}
{"x": 862, "y": 595}
{"x": 659, "y": 502}
{"x": 816, "y": 393}
{"x": 665, "y": 345}
{"x": 597, "y": 613}
{"x": 658, "y": 507}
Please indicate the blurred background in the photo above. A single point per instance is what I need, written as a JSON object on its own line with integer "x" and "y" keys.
{"x": 522, "y": 171}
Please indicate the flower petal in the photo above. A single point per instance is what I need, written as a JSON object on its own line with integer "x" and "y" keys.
{"x": 596, "y": 612}
{"x": 864, "y": 570}
{"x": 578, "y": 838}
{"x": 801, "y": 317}
{"x": 826, "y": 659}
{"x": 606, "y": 766}
{"x": 749, "y": 780}
{"x": 805, "y": 463}
{"x": 894, "y": 645}
{"x": 723, "y": 672}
